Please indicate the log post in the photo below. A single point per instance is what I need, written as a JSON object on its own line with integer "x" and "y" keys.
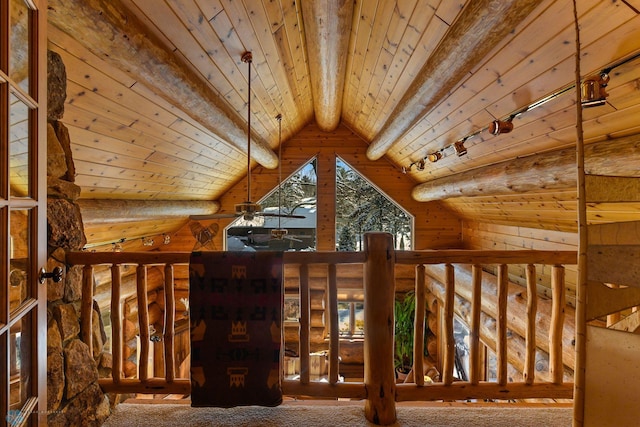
{"x": 379, "y": 321}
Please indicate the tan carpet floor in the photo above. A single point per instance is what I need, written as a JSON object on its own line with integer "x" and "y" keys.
{"x": 351, "y": 414}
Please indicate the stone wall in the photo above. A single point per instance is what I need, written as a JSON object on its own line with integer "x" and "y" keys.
{"x": 74, "y": 397}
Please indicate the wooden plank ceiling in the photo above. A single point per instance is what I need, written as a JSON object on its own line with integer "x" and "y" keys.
{"x": 157, "y": 94}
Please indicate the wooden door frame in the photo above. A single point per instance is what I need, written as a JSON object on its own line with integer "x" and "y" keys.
{"x": 36, "y": 406}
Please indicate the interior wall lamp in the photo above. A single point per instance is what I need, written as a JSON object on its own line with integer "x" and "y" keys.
{"x": 592, "y": 90}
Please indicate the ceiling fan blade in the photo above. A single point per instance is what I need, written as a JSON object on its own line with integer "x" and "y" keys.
{"x": 280, "y": 215}
{"x": 212, "y": 216}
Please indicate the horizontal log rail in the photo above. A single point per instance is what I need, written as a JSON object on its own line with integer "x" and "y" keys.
{"x": 377, "y": 279}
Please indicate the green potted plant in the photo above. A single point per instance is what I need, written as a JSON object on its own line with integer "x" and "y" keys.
{"x": 403, "y": 340}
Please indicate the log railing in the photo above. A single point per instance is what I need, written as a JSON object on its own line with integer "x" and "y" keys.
{"x": 379, "y": 386}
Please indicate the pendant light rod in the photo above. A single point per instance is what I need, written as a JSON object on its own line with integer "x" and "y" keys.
{"x": 247, "y": 58}
{"x": 279, "y": 119}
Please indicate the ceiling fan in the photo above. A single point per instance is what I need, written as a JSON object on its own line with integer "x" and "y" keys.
{"x": 248, "y": 210}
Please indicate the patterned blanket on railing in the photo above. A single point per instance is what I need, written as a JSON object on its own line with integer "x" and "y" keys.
{"x": 235, "y": 303}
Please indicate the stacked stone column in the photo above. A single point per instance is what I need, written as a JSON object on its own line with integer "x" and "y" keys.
{"x": 73, "y": 394}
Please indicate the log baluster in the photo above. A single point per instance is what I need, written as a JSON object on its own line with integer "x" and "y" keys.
{"x": 501, "y": 325}
{"x": 169, "y": 323}
{"x": 475, "y": 365}
{"x": 449, "y": 343}
{"x": 530, "y": 339}
{"x": 557, "y": 323}
{"x": 418, "y": 335}
{"x": 86, "y": 310}
{"x": 143, "y": 322}
{"x": 305, "y": 323}
{"x": 116, "y": 323}
{"x": 334, "y": 333}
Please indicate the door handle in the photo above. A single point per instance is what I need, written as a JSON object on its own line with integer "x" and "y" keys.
{"x": 56, "y": 274}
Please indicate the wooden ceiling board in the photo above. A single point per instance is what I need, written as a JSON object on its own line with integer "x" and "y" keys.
{"x": 132, "y": 140}
{"x": 534, "y": 72}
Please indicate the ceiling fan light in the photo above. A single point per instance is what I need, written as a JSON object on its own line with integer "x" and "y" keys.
{"x": 247, "y": 208}
{"x": 279, "y": 233}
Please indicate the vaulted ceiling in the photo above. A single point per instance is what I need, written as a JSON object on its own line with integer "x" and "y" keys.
{"x": 157, "y": 95}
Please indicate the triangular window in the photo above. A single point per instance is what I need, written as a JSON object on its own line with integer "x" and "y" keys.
{"x": 362, "y": 207}
{"x": 298, "y": 196}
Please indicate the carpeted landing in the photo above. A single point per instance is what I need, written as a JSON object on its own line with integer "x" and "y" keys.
{"x": 339, "y": 413}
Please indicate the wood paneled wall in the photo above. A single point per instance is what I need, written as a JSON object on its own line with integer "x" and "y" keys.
{"x": 435, "y": 226}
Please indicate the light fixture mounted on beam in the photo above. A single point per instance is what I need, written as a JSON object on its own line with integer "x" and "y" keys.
{"x": 592, "y": 90}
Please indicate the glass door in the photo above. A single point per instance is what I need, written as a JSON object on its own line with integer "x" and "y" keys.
{"x": 23, "y": 208}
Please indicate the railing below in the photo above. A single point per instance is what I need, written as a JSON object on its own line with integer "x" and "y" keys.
{"x": 379, "y": 387}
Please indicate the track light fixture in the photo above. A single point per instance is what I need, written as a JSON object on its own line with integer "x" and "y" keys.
{"x": 592, "y": 93}
{"x": 459, "y": 148}
{"x": 434, "y": 157}
{"x": 592, "y": 90}
{"x": 500, "y": 126}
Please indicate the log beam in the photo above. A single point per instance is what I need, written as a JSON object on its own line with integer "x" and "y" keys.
{"x": 327, "y": 29}
{"x": 479, "y": 28}
{"x": 109, "y": 211}
{"x": 112, "y": 33}
{"x": 554, "y": 170}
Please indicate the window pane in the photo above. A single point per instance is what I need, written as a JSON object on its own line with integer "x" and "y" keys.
{"x": 343, "y": 318}
{"x": 295, "y": 196}
{"x": 19, "y": 251}
{"x": 20, "y": 363}
{"x": 19, "y": 43}
{"x": 18, "y": 147}
{"x": 359, "y": 327}
{"x": 361, "y": 207}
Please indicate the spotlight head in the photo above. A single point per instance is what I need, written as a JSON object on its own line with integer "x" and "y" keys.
{"x": 500, "y": 126}
{"x": 592, "y": 90}
{"x": 458, "y": 146}
{"x": 434, "y": 157}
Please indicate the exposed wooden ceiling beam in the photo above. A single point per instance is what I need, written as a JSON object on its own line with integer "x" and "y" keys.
{"x": 478, "y": 29}
{"x": 553, "y": 170}
{"x": 120, "y": 38}
{"x": 327, "y": 29}
{"x": 109, "y": 211}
